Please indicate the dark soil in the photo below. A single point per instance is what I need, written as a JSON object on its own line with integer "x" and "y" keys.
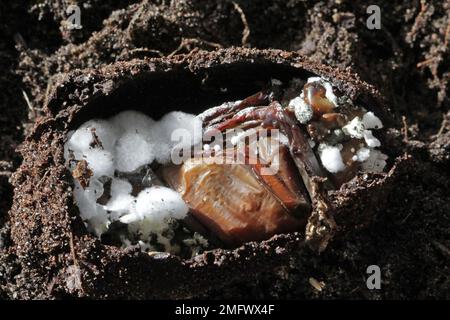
{"x": 407, "y": 60}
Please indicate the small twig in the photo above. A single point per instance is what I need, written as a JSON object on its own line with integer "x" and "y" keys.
{"x": 442, "y": 248}
{"x": 43, "y": 177}
{"x": 447, "y": 35}
{"x": 419, "y": 21}
{"x": 405, "y": 129}
{"x": 51, "y": 285}
{"x": 406, "y": 218}
{"x": 246, "y": 31}
{"x": 180, "y": 47}
{"x": 442, "y": 128}
{"x": 144, "y": 52}
{"x": 354, "y": 290}
{"x": 72, "y": 250}
{"x": 185, "y": 42}
{"x": 75, "y": 263}
{"x": 426, "y": 62}
{"x": 29, "y": 104}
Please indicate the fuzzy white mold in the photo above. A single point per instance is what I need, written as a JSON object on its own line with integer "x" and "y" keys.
{"x": 303, "y": 112}
{"x": 331, "y": 158}
{"x": 122, "y": 144}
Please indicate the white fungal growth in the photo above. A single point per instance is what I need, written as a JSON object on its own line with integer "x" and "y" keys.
{"x": 303, "y": 112}
{"x": 362, "y": 154}
{"x": 359, "y": 127}
{"x": 133, "y": 121}
{"x": 127, "y": 159}
{"x": 371, "y": 141}
{"x": 371, "y": 121}
{"x": 371, "y": 159}
{"x": 100, "y": 161}
{"x": 376, "y": 162}
{"x": 123, "y": 144}
{"x": 354, "y": 128}
{"x": 121, "y": 200}
{"x": 276, "y": 82}
{"x": 82, "y": 138}
{"x": 156, "y": 205}
{"x": 331, "y": 158}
